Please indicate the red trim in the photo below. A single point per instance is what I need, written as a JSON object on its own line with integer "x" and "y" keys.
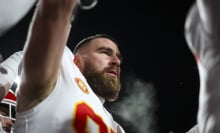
{"x": 10, "y": 96}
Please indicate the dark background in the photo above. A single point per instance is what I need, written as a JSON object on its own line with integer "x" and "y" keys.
{"x": 151, "y": 37}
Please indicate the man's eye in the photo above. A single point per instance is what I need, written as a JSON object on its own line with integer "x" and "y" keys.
{"x": 106, "y": 52}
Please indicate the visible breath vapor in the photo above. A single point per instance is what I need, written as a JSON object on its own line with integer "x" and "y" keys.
{"x": 138, "y": 106}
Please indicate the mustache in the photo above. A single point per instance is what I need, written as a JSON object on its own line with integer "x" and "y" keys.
{"x": 112, "y": 68}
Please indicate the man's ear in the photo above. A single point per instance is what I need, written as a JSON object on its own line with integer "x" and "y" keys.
{"x": 76, "y": 60}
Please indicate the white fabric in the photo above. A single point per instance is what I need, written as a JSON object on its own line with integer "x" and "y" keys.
{"x": 12, "y": 11}
{"x": 9, "y": 68}
{"x": 57, "y": 113}
{"x": 194, "y": 129}
{"x": 206, "y": 48}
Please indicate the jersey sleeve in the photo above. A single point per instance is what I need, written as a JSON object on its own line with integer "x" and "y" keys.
{"x": 9, "y": 68}
{"x": 206, "y": 50}
{"x": 194, "y": 129}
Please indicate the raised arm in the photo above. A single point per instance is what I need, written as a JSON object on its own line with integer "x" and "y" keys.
{"x": 12, "y": 11}
{"x": 43, "y": 50}
{"x": 202, "y": 32}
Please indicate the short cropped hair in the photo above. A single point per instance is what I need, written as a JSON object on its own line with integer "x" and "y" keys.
{"x": 90, "y": 38}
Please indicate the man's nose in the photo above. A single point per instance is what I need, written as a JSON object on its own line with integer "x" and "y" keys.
{"x": 115, "y": 61}
{"x": 8, "y": 122}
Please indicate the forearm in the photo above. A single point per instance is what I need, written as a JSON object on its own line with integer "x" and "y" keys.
{"x": 47, "y": 38}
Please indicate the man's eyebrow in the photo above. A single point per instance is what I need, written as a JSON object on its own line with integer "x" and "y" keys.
{"x": 110, "y": 49}
{"x": 104, "y": 48}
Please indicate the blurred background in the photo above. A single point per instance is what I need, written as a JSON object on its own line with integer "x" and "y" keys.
{"x": 159, "y": 74}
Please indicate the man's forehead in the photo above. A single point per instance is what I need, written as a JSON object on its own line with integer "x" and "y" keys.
{"x": 104, "y": 42}
{"x": 88, "y": 40}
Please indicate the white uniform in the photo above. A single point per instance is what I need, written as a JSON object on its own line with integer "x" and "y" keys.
{"x": 72, "y": 107}
{"x": 206, "y": 48}
{"x": 10, "y": 68}
{"x": 12, "y": 11}
{"x": 194, "y": 129}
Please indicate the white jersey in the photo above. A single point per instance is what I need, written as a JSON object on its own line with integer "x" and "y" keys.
{"x": 11, "y": 16}
{"x": 11, "y": 66}
{"x": 194, "y": 129}
{"x": 72, "y": 107}
{"x": 206, "y": 49}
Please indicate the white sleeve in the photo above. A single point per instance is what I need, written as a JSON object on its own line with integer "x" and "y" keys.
{"x": 9, "y": 68}
{"x": 119, "y": 127}
{"x": 194, "y": 129}
{"x": 12, "y": 11}
{"x": 204, "y": 43}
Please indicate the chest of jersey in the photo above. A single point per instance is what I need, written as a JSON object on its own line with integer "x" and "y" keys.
{"x": 83, "y": 109}
{"x": 72, "y": 107}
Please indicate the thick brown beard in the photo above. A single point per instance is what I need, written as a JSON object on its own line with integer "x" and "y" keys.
{"x": 105, "y": 86}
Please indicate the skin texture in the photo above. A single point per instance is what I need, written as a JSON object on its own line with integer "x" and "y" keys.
{"x": 44, "y": 49}
{"x": 100, "y": 61}
{"x": 6, "y": 122}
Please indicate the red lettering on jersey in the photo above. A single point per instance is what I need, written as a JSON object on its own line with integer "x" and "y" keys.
{"x": 112, "y": 131}
{"x": 82, "y": 113}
